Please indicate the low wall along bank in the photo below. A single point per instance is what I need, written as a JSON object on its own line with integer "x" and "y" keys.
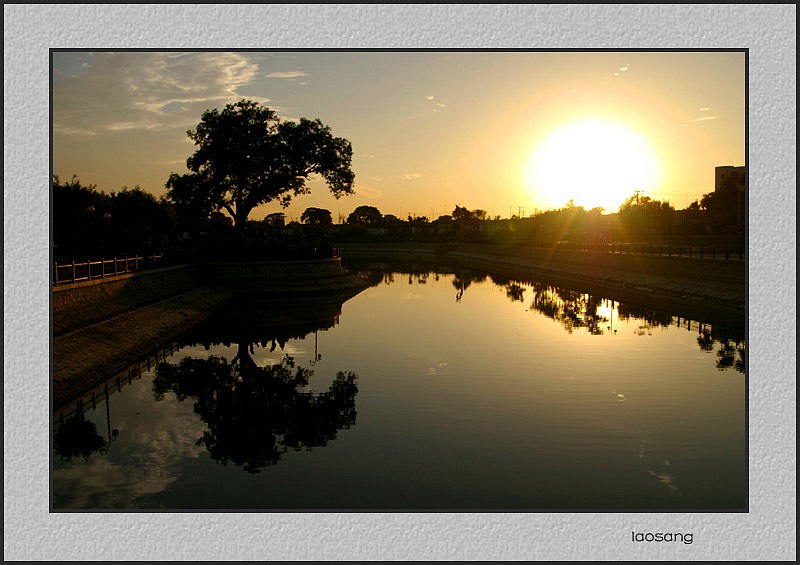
{"x": 83, "y": 303}
{"x": 706, "y": 283}
{"x": 101, "y": 327}
{"x": 659, "y": 265}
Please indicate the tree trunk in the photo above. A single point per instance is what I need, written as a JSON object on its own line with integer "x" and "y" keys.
{"x": 240, "y": 224}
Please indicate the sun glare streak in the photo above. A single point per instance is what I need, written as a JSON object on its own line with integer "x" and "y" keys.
{"x": 595, "y": 163}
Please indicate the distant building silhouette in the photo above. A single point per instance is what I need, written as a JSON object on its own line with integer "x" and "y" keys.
{"x": 733, "y": 181}
{"x": 736, "y": 175}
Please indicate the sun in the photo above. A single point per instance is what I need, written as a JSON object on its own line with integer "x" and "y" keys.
{"x": 594, "y": 163}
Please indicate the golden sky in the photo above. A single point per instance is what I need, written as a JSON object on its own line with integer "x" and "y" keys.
{"x": 505, "y": 131}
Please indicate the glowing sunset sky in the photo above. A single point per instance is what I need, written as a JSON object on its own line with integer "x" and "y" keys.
{"x": 502, "y": 131}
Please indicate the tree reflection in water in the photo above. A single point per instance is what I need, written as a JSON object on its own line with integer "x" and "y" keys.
{"x": 573, "y": 310}
{"x": 77, "y": 437}
{"x": 579, "y": 310}
{"x": 732, "y": 351}
{"x": 463, "y": 278}
{"x": 651, "y": 318}
{"x": 254, "y": 414}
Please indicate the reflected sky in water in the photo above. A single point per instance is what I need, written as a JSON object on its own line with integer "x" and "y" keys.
{"x": 473, "y": 393}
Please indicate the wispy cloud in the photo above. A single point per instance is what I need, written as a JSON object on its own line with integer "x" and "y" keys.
{"x": 66, "y": 130}
{"x": 369, "y": 192}
{"x": 125, "y": 91}
{"x": 410, "y": 176}
{"x": 435, "y": 106}
{"x": 619, "y": 71}
{"x": 702, "y": 119}
{"x": 287, "y": 74}
{"x": 126, "y": 126}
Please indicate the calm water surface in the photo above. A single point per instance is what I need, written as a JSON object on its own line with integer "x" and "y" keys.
{"x": 437, "y": 388}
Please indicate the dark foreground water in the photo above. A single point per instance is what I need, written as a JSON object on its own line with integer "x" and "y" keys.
{"x": 437, "y": 388}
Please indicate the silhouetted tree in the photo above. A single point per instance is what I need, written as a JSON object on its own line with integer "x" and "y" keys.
{"x": 246, "y": 156}
{"x": 467, "y": 219}
{"x": 91, "y": 223}
{"x": 139, "y": 221}
{"x": 276, "y": 219}
{"x": 77, "y": 437}
{"x": 566, "y": 223}
{"x": 79, "y": 212}
{"x": 316, "y": 217}
{"x": 368, "y": 215}
{"x": 642, "y": 216}
{"x": 725, "y": 206}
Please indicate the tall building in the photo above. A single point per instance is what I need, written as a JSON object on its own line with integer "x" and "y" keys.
{"x": 728, "y": 173}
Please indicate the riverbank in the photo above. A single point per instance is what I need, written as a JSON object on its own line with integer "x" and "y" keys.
{"x": 86, "y": 356}
{"x": 698, "y": 288}
{"x": 103, "y": 327}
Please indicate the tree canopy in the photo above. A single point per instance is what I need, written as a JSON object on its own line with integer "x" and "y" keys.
{"x": 90, "y": 222}
{"x": 368, "y": 215}
{"x": 645, "y": 216}
{"x": 316, "y": 217}
{"x": 246, "y": 156}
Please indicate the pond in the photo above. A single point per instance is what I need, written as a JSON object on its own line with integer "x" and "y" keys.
{"x": 438, "y": 388}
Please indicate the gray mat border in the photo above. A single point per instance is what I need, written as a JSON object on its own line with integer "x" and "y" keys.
{"x": 766, "y": 532}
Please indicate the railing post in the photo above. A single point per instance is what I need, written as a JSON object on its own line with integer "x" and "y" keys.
{"x": 55, "y": 273}
{"x": 115, "y": 265}
{"x": 73, "y": 270}
{"x": 102, "y": 268}
{"x": 136, "y": 263}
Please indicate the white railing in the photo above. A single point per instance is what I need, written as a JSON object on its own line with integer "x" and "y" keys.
{"x": 66, "y": 273}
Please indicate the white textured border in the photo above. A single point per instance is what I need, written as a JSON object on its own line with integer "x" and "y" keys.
{"x": 767, "y": 532}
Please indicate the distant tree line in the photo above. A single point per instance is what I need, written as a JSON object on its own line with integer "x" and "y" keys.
{"x": 92, "y": 223}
